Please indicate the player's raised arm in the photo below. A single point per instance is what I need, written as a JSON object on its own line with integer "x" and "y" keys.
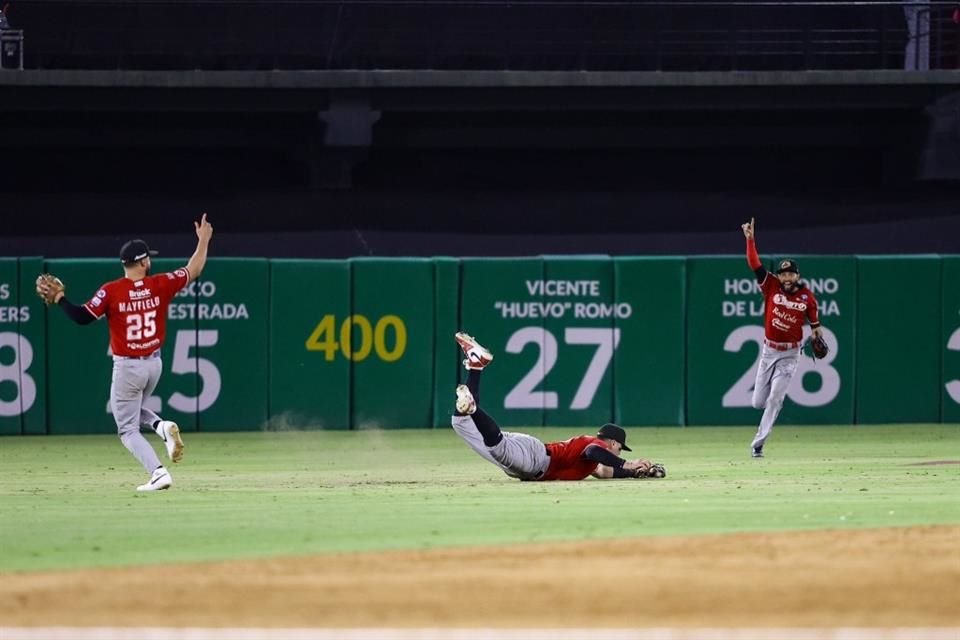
{"x": 753, "y": 259}
{"x": 199, "y": 258}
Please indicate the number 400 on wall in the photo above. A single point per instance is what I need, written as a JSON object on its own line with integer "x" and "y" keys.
{"x": 372, "y": 337}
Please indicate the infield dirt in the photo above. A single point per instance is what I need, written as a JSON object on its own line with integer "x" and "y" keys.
{"x": 897, "y": 577}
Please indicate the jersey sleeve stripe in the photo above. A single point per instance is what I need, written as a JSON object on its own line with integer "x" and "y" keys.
{"x": 86, "y": 305}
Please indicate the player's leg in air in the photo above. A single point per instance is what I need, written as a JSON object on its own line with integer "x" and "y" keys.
{"x": 131, "y": 377}
{"x": 518, "y": 454}
{"x": 774, "y": 374}
{"x": 472, "y": 423}
{"x": 168, "y": 430}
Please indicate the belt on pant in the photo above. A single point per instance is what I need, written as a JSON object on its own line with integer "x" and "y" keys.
{"x": 153, "y": 354}
{"x": 781, "y": 346}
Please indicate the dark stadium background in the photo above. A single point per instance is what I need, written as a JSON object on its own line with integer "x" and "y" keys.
{"x": 508, "y": 129}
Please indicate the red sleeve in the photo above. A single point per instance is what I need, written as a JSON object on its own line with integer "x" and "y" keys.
{"x": 770, "y": 284}
{"x": 173, "y": 281}
{"x": 97, "y": 305}
{"x": 752, "y": 258}
{"x": 586, "y": 441}
{"x": 813, "y": 312}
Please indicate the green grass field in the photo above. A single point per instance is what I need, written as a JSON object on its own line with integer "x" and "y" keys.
{"x": 69, "y": 502}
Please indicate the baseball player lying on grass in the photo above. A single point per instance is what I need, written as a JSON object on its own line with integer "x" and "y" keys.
{"x": 525, "y": 457}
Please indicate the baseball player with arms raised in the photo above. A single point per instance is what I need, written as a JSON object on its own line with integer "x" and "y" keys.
{"x": 136, "y": 310}
{"x": 525, "y": 457}
{"x": 787, "y": 302}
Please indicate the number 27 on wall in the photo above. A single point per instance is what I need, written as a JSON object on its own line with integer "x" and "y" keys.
{"x": 523, "y": 396}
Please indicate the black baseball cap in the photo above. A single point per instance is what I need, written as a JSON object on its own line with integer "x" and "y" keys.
{"x": 613, "y": 432}
{"x": 788, "y": 265}
{"x": 134, "y": 251}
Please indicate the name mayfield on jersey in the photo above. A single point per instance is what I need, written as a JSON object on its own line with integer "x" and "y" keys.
{"x": 137, "y": 311}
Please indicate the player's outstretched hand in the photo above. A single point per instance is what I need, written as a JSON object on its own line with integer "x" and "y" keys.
{"x": 747, "y": 229}
{"x": 50, "y": 288}
{"x": 204, "y": 228}
{"x": 640, "y": 466}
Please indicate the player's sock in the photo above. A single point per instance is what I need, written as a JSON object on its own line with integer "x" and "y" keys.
{"x": 487, "y": 427}
{"x": 473, "y": 383}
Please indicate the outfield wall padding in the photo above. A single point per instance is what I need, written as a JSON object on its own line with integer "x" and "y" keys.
{"x": 578, "y": 341}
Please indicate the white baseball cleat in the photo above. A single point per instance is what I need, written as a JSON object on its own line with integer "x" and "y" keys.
{"x": 169, "y": 432}
{"x": 466, "y": 405}
{"x": 478, "y": 356}
{"x": 159, "y": 481}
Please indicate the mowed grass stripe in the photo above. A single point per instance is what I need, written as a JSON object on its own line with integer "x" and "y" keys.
{"x": 69, "y": 501}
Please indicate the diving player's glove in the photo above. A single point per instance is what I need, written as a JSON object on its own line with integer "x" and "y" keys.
{"x": 644, "y": 469}
{"x": 50, "y": 288}
{"x": 656, "y": 470}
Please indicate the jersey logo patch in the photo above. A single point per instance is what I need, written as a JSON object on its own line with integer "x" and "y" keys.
{"x": 101, "y": 294}
{"x": 139, "y": 295}
{"x": 783, "y": 301}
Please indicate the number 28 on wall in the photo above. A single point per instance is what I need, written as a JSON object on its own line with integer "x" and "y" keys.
{"x": 740, "y": 394}
{"x": 371, "y": 338}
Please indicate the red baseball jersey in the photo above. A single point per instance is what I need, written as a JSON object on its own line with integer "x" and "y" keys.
{"x": 137, "y": 310}
{"x": 785, "y": 312}
{"x": 567, "y": 461}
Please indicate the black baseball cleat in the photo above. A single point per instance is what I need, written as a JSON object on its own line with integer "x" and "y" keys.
{"x": 757, "y": 452}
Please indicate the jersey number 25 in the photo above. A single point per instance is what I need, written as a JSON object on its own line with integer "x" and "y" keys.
{"x": 141, "y": 325}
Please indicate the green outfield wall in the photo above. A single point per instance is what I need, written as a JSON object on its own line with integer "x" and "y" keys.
{"x": 368, "y": 343}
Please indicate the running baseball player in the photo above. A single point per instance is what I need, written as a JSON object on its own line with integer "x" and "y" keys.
{"x": 136, "y": 310}
{"x": 525, "y": 457}
{"x": 787, "y": 302}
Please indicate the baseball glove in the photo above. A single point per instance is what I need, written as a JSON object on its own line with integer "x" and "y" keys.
{"x": 818, "y": 347}
{"x": 50, "y": 288}
{"x": 656, "y": 470}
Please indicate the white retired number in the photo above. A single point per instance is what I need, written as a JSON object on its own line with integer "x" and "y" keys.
{"x": 741, "y": 393}
{"x": 953, "y": 387}
{"x": 525, "y": 395}
{"x": 210, "y": 383}
{"x": 16, "y": 372}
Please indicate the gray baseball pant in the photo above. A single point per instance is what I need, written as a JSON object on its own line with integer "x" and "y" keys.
{"x": 519, "y": 455}
{"x": 133, "y": 382}
{"x": 774, "y": 374}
